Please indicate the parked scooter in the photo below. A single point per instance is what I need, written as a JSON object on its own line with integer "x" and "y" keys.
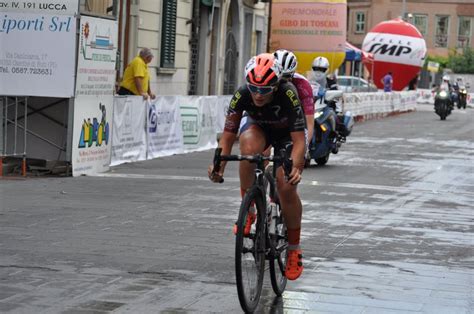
{"x": 330, "y": 129}
{"x": 462, "y": 99}
{"x": 442, "y": 104}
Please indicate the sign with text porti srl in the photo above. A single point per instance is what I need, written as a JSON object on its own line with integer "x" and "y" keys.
{"x": 38, "y": 48}
{"x": 310, "y": 28}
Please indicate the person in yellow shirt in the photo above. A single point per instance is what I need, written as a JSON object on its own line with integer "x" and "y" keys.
{"x": 136, "y": 78}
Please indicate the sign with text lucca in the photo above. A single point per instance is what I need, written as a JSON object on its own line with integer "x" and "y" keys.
{"x": 37, "y": 50}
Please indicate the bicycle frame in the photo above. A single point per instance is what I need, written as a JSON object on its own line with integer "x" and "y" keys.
{"x": 266, "y": 240}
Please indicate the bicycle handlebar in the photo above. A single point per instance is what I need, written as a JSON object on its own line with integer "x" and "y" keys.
{"x": 286, "y": 162}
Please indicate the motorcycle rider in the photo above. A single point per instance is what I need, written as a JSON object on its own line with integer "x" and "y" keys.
{"x": 321, "y": 81}
{"x": 446, "y": 85}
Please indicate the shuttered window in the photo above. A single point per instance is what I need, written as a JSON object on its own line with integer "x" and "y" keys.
{"x": 168, "y": 33}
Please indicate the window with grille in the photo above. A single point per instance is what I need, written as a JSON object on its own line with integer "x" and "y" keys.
{"x": 168, "y": 34}
{"x": 464, "y": 32}
{"x": 421, "y": 22}
{"x": 360, "y": 22}
{"x": 442, "y": 31}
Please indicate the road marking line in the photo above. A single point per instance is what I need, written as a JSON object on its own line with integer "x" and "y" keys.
{"x": 399, "y": 189}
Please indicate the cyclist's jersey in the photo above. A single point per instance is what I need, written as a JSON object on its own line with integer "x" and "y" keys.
{"x": 305, "y": 93}
{"x": 281, "y": 116}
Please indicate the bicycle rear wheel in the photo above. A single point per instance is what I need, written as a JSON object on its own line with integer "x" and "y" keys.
{"x": 250, "y": 253}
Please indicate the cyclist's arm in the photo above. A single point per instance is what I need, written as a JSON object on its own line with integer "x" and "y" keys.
{"x": 231, "y": 126}
{"x": 226, "y": 142}
{"x": 299, "y": 149}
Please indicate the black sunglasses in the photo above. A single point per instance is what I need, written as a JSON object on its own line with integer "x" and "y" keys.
{"x": 320, "y": 69}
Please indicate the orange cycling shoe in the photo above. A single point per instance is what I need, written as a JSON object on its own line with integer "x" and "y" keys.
{"x": 251, "y": 217}
{"x": 294, "y": 264}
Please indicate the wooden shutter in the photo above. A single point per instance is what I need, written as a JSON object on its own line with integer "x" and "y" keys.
{"x": 168, "y": 33}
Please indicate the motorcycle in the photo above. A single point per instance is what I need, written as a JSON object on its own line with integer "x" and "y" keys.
{"x": 443, "y": 105}
{"x": 330, "y": 129}
{"x": 462, "y": 99}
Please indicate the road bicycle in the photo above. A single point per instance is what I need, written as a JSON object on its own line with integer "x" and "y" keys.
{"x": 268, "y": 239}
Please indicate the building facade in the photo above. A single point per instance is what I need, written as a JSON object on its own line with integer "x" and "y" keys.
{"x": 445, "y": 24}
{"x": 200, "y": 46}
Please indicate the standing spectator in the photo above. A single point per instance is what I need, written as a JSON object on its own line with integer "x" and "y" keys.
{"x": 136, "y": 78}
{"x": 413, "y": 83}
{"x": 387, "y": 82}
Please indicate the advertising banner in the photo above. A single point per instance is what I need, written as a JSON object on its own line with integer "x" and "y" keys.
{"x": 94, "y": 85}
{"x": 91, "y": 135}
{"x": 221, "y": 111}
{"x": 198, "y": 116}
{"x": 38, "y": 48}
{"x": 310, "y": 28}
{"x": 97, "y": 56}
{"x": 165, "y": 136}
{"x": 129, "y": 136}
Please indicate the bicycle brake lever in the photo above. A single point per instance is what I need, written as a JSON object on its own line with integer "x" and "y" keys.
{"x": 217, "y": 163}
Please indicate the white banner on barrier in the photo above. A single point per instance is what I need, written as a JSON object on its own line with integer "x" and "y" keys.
{"x": 361, "y": 104}
{"x": 199, "y": 117}
{"x": 221, "y": 111}
{"x": 165, "y": 135}
{"x": 129, "y": 136}
{"x": 91, "y": 135}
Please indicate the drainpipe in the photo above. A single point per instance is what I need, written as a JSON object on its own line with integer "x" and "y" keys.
{"x": 135, "y": 22}
{"x": 269, "y": 24}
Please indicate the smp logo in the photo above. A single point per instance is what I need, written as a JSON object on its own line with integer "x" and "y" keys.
{"x": 389, "y": 49}
{"x": 94, "y": 132}
{"x": 152, "y": 119}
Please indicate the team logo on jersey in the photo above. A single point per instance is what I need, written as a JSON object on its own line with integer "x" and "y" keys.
{"x": 293, "y": 98}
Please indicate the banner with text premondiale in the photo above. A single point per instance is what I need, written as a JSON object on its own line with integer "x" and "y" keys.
{"x": 38, "y": 48}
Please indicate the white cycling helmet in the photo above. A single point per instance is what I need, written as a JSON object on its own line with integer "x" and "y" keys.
{"x": 320, "y": 67}
{"x": 288, "y": 62}
{"x": 446, "y": 78}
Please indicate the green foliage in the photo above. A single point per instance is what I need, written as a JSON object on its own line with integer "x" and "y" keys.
{"x": 462, "y": 62}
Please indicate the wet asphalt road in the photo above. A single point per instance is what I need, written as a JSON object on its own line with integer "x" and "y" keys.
{"x": 388, "y": 227}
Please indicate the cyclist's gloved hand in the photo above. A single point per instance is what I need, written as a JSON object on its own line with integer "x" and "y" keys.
{"x": 216, "y": 177}
{"x": 295, "y": 176}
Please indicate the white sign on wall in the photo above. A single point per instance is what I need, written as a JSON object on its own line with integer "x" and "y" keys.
{"x": 97, "y": 56}
{"x": 38, "y": 48}
{"x": 56, "y": 7}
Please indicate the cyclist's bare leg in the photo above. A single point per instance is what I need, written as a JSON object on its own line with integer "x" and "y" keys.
{"x": 252, "y": 141}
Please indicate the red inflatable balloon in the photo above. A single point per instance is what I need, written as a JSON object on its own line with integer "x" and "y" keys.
{"x": 397, "y": 47}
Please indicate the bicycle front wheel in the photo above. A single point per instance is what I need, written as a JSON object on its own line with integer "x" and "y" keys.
{"x": 278, "y": 260}
{"x": 250, "y": 252}
{"x": 278, "y": 238}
